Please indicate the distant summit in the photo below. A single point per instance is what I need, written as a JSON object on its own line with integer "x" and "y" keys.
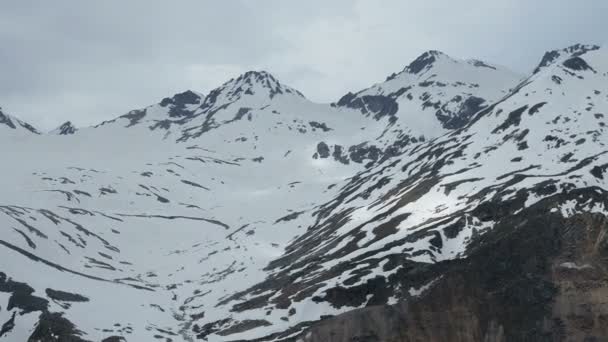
{"x": 15, "y": 124}
{"x": 66, "y": 128}
{"x": 550, "y": 57}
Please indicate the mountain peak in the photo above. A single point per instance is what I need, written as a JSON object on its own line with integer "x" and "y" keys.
{"x": 425, "y": 61}
{"x": 571, "y": 51}
{"x": 256, "y": 83}
{"x": 65, "y": 128}
{"x": 14, "y": 123}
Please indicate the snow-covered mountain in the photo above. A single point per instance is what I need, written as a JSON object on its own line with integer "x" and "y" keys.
{"x": 11, "y": 125}
{"x": 65, "y": 128}
{"x": 431, "y": 96}
{"x": 448, "y": 91}
{"x": 455, "y": 191}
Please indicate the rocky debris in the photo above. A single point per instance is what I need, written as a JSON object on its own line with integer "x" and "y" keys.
{"x": 319, "y": 125}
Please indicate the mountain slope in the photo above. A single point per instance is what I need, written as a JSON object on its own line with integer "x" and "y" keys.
{"x": 14, "y": 125}
{"x": 231, "y": 217}
{"x": 431, "y": 96}
{"x": 429, "y": 204}
{"x": 450, "y": 90}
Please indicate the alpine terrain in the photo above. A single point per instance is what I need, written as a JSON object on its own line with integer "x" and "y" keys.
{"x": 454, "y": 201}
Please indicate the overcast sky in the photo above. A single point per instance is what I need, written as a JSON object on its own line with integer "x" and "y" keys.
{"x": 87, "y": 61}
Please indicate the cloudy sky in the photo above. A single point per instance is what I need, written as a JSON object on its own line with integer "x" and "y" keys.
{"x": 87, "y": 61}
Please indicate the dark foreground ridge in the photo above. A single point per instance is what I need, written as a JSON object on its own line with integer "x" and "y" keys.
{"x": 535, "y": 277}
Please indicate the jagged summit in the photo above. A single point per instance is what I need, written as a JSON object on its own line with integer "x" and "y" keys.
{"x": 432, "y": 58}
{"x": 15, "y": 124}
{"x": 65, "y": 128}
{"x": 255, "y": 83}
{"x": 449, "y": 89}
{"x": 576, "y": 50}
{"x": 251, "y": 89}
{"x": 278, "y": 219}
{"x": 425, "y": 61}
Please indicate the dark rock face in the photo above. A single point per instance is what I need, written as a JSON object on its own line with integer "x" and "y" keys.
{"x": 6, "y": 120}
{"x": 134, "y": 116}
{"x": 378, "y": 105}
{"x": 114, "y": 339}
{"x": 425, "y": 60}
{"x": 54, "y": 327}
{"x": 537, "y": 276}
{"x": 365, "y": 152}
{"x": 179, "y": 102}
{"x": 547, "y": 59}
{"x": 577, "y": 63}
{"x": 457, "y": 120}
{"x": 8, "y": 325}
{"x": 513, "y": 119}
{"x": 339, "y": 155}
{"x": 187, "y": 97}
{"x": 319, "y": 125}
{"x": 65, "y": 296}
{"x": 323, "y": 150}
{"x": 362, "y": 152}
{"x": 21, "y": 296}
{"x": 66, "y": 129}
{"x": 51, "y": 326}
{"x": 574, "y": 50}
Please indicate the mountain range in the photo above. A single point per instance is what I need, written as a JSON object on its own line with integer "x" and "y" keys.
{"x": 454, "y": 201}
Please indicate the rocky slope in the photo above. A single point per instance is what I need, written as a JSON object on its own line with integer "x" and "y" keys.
{"x": 454, "y": 201}
{"x": 11, "y": 125}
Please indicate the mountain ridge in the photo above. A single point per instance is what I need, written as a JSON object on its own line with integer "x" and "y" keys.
{"x": 279, "y": 219}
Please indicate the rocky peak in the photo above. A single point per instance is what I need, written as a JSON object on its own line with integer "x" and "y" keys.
{"x": 256, "y": 83}
{"x": 254, "y": 86}
{"x": 451, "y": 90}
{"x": 6, "y": 120}
{"x": 14, "y": 123}
{"x": 424, "y": 61}
{"x": 576, "y": 50}
{"x": 65, "y": 128}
